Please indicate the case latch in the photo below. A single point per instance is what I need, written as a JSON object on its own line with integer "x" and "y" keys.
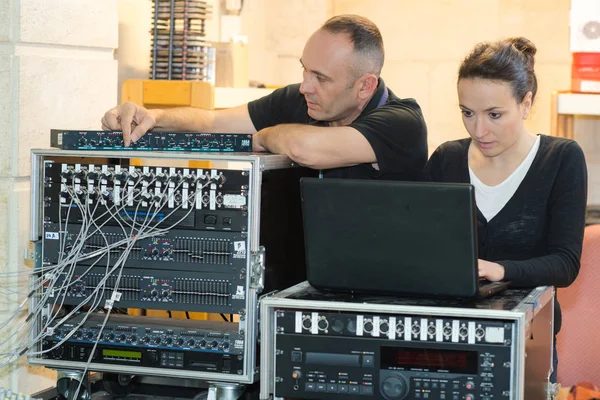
{"x": 257, "y": 269}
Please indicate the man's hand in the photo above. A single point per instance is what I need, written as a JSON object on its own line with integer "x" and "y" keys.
{"x": 130, "y": 118}
{"x": 257, "y": 146}
{"x": 491, "y": 271}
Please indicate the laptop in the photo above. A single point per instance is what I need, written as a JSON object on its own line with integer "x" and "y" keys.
{"x": 392, "y": 237}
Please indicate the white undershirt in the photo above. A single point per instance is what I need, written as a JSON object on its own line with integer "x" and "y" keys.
{"x": 491, "y": 199}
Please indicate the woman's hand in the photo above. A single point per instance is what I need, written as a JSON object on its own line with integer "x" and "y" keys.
{"x": 491, "y": 271}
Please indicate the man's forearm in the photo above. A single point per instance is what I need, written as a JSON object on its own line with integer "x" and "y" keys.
{"x": 189, "y": 119}
{"x": 317, "y": 147}
{"x": 284, "y": 138}
{"x": 184, "y": 119}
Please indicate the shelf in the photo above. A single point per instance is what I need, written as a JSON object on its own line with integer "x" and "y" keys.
{"x": 578, "y": 104}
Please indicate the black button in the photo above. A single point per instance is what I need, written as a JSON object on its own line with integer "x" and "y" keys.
{"x": 366, "y": 390}
{"x": 310, "y": 387}
{"x": 343, "y": 388}
{"x": 210, "y": 219}
{"x": 227, "y": 221}
{"x": 354, "y": 389}
{"x": 332, "y": 387}
{"x": 367, "y": 361}
{"x": 296, "y": 356}
{"x": 321, "y": 387}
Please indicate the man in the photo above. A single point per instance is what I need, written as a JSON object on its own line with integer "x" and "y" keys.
{"x": 341, "y": 119}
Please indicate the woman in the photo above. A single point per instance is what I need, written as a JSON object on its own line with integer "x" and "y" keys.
{"x": 531, "y": 190}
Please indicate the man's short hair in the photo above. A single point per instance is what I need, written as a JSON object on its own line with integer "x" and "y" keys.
{"x": 365, "y": 37}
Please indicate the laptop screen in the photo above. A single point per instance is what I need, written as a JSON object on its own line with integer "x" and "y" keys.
{"x": 390, "y": 237}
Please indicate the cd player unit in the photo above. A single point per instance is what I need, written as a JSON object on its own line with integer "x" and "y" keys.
{"x": 319, "y": 345}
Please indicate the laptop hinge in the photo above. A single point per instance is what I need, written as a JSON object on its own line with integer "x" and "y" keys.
{"x": 257, "y": 269}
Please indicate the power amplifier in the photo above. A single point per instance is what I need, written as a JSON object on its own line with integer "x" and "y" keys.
{"x": 142, "y": 344}
{"x": 329, "y": 346}
{"x": 151, "y": 141}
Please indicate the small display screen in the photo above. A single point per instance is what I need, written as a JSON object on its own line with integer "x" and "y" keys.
{"x": 433, "y": 360}
{"x": 121, "y": 353}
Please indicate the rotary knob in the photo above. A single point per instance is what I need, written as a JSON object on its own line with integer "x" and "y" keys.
{"x": 152, "y": 357}
{"x": 394, "y": 387}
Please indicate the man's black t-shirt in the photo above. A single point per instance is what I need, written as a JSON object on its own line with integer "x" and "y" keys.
{"x": 395, "y": 129}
